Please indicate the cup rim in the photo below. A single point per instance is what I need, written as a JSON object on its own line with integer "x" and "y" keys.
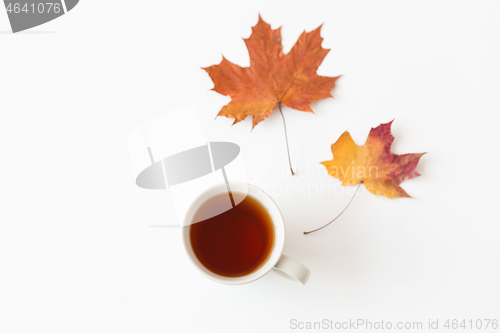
{"x": 276, "y": 217}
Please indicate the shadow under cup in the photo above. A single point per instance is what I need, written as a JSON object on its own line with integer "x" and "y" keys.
{"x": 241, "y": 240}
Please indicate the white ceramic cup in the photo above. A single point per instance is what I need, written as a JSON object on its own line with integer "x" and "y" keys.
{"x": 277, "y": 261}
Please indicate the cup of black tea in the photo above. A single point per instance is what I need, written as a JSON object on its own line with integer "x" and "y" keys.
{"x": 234, "y": 233}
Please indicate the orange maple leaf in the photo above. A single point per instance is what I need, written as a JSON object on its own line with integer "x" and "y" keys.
{"x": 372, "y": 164}
{"x": 273, "y": 78}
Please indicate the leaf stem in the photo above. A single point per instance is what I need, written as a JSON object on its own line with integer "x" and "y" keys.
{"x": 286, "y": 138}
{"x": 357, "y": 188}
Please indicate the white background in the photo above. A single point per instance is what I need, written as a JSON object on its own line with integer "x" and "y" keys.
{"x": 76, "y": 250}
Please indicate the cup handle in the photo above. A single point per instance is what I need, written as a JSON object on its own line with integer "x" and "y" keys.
{"x": 292, "y": 270}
